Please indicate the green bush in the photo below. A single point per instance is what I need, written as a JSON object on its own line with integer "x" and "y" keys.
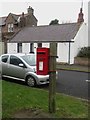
{"x": 84, "y": 52}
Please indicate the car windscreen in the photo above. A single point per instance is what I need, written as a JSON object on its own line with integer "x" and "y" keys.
{"x": 29, "y": 59}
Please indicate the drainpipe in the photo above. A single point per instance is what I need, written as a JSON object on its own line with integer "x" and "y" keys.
{"x": 69, "y": 53}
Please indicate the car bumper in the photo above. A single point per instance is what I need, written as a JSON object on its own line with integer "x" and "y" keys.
{"x": 42, "y": 79}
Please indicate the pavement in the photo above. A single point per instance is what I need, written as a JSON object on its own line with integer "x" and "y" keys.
{"x": 73, "y": 67}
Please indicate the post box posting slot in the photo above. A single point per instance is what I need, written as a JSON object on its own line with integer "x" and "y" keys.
{"x": 42, "y": 61}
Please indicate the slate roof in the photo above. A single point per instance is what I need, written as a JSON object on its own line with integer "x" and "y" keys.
{"x": 56, "y": 33}
{"x": 3, "y": 19}
{"x": 15, "y": 16}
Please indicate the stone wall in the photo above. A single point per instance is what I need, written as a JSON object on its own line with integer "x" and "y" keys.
{"x": 82, "y": 61}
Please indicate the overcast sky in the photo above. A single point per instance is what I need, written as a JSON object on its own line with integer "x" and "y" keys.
{"x": 46, "y": 10}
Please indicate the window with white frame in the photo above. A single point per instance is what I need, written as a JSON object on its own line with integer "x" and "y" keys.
{"x": 10, "y": 27}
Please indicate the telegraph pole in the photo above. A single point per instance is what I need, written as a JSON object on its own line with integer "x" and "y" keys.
{"x": 52, "y": 84}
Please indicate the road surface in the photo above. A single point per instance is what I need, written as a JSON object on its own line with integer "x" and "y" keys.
{"x": 73, "y": 83}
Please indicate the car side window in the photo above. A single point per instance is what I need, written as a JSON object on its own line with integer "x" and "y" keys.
{"x": 15, "y": 60}
{"x": 4, "y": 58}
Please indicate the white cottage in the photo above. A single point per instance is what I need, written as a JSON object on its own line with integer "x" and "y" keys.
{"x": 71, "y": 37}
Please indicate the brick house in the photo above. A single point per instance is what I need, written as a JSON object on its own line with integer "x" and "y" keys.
{"x": 13, "y": 23}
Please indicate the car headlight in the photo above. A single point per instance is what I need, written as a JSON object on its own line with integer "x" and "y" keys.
{"x": 34, "y": 70}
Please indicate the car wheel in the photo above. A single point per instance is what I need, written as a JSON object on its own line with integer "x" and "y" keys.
{"x": 31, "y": 81}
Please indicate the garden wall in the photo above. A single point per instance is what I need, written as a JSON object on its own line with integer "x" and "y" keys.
{"x": 82, "y": 61}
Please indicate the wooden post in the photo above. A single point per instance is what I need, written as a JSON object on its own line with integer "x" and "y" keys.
{"x": 52, "y": 84}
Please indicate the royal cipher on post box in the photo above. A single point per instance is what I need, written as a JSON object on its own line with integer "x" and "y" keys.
{"x": 42, "y": 61}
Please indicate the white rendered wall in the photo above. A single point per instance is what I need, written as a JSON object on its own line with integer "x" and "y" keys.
{"x": 25, "y": 47}
{"x": 72, "y": 53}
{"x": 35, "y": 47}
{"x": 62, "y": 52}
{"x": 47, "y": 45}
{"x": 11, "y": 47}
{"x": 81, "y": 39}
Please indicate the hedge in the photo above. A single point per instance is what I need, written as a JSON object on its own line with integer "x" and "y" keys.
{"x": 84, "y": 52}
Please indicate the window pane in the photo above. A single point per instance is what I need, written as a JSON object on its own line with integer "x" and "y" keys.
{"x": 5, "y": 58}
{"x": 15, "y": 60}
{"x": 39, "y": 44}
{"x": 10, "y": 27}
{"x": 29, "y": 59}
{"x": 31, "y": 47}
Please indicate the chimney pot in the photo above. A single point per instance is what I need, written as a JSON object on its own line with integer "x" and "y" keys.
{"x": 80, "y": 16}
{"x": 30, "y": 10}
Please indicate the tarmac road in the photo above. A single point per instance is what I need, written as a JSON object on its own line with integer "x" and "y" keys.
{"x": 73, "y": 83}
{"x": 70, "y": 83}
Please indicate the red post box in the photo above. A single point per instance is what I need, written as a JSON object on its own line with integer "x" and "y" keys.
{"x": 42, "y": 61}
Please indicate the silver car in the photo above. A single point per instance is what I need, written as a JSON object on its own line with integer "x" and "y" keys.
{"x": 21, "y": 67}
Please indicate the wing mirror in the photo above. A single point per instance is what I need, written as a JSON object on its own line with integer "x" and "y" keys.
{"x": 21, "y": 65}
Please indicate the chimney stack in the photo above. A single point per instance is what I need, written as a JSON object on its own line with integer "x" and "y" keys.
{"x": 30, "y": 10}
{"x": 22, "y": 20}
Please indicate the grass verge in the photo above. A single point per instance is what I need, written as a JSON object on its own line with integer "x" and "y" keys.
{"x": 16, "y": 97}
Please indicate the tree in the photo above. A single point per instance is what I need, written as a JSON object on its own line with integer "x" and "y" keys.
{"x": 54, "y": 22}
